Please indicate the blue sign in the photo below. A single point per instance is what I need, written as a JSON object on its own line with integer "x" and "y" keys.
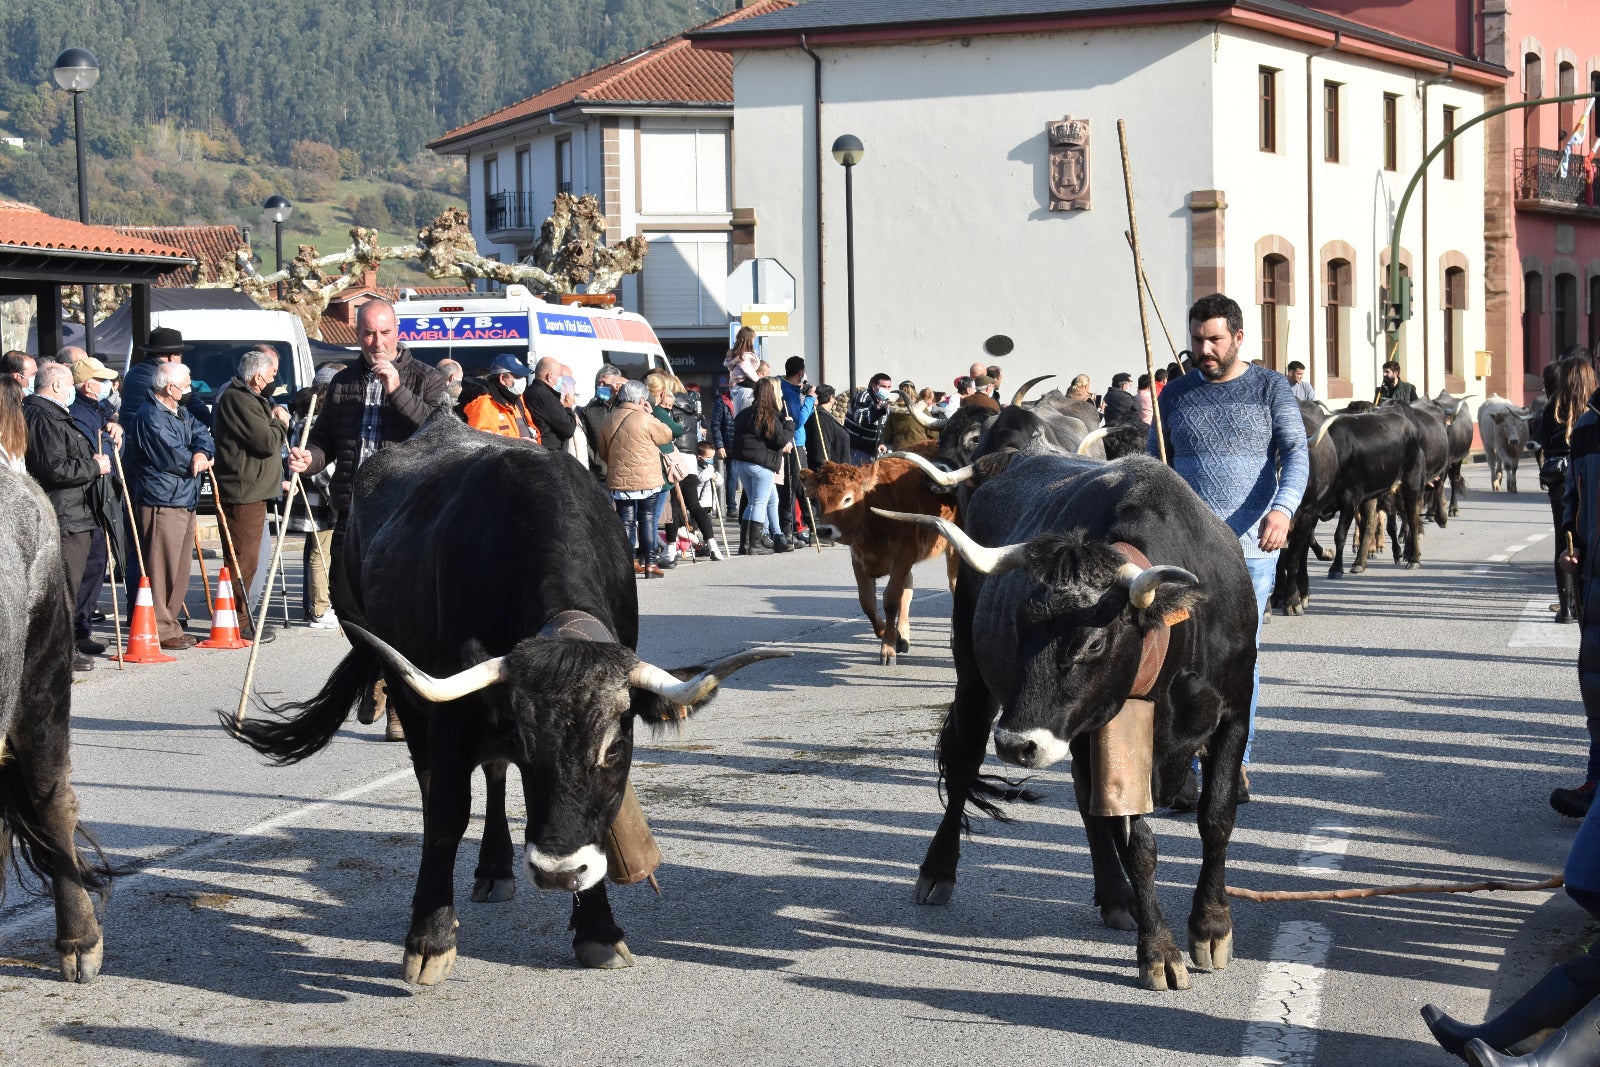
{"x": 461, "y": 328}
{"x": 565, "y": 325}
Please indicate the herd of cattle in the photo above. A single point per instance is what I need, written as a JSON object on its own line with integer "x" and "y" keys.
{"x": 1090, "y": 587}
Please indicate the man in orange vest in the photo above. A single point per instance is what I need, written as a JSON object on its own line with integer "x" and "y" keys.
{"x": 501, "y": 409}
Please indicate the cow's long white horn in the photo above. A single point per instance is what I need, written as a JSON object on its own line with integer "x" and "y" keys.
{"x": 1016, "y": 401}
{"x": 1142, "y": 583}
{"x": 1323, "y": 430}
{"x": 652, "y": 678}
{"x": 980, "y": 558}
{"x": 923, "y": 418}
{"x": 938, "y": 475}
{"x": 438, "y": 690}
{"x": 1088, "y": 442}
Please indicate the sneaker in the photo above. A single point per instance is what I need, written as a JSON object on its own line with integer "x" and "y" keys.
{"x": 326, "y": 621}
{"x": 1573, "y": 803}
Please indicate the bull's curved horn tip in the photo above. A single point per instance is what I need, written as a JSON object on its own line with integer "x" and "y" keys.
{"x": 1088, "y": 442}
{"x": 1016, "y": 400}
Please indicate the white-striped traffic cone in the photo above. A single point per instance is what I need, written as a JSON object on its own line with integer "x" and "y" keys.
{"x": 143, "y": 644}
{"x": 224, "y": 619}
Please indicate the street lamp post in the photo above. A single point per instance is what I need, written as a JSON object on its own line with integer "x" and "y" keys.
{"x": 76, "y": 70}
{"x": 278, "y": 209}
{"x": 847, "y": 152}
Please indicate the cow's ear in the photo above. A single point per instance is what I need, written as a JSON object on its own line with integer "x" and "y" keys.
{"x": 1172, "y": 605}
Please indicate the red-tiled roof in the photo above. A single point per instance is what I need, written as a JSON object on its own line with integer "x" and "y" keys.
{"x": 335, "y": 332}
{"x": 668, "y": 72}
{"x": 213, "y": 246}
{"x": 25, "y": 226}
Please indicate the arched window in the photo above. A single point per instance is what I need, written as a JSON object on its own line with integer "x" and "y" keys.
{"x": 1564, "y": 313}
{"x": 1275, "y": 283}
{"x": 1532, "y": 88}
{"x": 1455, "y": 305}
{"x": 1567, "y": 85}
{"x": 1532, "y": 309}
{"x": 1594, "y": 313}
{"x": 1338, "y": 297}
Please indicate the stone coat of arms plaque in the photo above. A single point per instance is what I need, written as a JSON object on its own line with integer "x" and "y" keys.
{"x": 1069, "y": 164}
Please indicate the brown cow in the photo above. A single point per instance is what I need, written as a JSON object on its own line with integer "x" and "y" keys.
{"x": 846, "y": 496}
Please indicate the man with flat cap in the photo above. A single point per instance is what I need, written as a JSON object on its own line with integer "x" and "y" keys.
{"x": 89, "y": 410}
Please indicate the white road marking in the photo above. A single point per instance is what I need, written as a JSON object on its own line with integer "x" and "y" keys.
{"x": 1537, "y": 627}
{"x": 1288, "y": 1005}
{"x": 1497, "y": 559}
{"x": 171, "y": 862}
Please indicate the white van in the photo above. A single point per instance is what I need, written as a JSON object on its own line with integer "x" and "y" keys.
{"x": 473, "y": 328}
{"x": 219, "y": 326}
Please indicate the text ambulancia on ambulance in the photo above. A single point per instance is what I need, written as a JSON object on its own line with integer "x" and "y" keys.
{"x": 474, "y": 328}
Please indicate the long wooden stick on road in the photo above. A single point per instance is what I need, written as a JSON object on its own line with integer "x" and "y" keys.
{"x": 1399, "y": 890}
{"x": 272, "y": 573}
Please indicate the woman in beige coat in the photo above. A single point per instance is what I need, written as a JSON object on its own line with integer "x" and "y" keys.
{"x": 630, "y": 443}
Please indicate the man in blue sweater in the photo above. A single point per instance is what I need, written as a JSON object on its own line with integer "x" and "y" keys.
{"x": 1234, "y": 433}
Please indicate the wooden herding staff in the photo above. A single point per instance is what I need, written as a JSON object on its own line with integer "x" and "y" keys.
{"x": 1138, "y": 284}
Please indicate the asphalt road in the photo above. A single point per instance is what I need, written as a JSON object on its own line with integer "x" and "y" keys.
{"x": 1413, "y": 725}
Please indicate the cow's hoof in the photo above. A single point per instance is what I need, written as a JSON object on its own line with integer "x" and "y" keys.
{"x": 493, "y": 890}
{"x": 1117, "y": 917}
{"x": 1161, "y": 967}
{"x": 886, "y": 656}
{"x": 935, "y": 891}
{"x": 429, "y": 968}
{"x": 1360, "y": 568}
{"x": 1335, "y": 573}
{"x": 901, "y": 645}
{"x": 82, "y": 965}
{"x": 431, "y": 948}
{"x": 1212, "y": 955}
{"x": 601, "y": 956}
{"x": 1414, "y": 565}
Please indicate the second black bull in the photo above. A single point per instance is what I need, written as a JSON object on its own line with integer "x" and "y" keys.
{"x": 1050, "y": 629}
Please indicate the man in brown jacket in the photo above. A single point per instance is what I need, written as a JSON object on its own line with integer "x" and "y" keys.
{"x": 379, "y": 401}
{"x": 250, "y": 434}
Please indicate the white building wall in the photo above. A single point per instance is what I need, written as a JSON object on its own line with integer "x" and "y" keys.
{"x": 1354, "y": 200}
{"x": 954, "y": 239}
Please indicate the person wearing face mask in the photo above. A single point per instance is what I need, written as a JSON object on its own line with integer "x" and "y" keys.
{"x": 168, "y": 450}
{"x": 64, "y": 461}
{"x": 250, "y": 433}
{"x": 93, "y": 381}
{"x": 22, "y": 367}
{"x": 864, "y": 421}
{"x": 592, "y": 416}
{"x": 502, "y": 409}
{"x": 551, "y": 408}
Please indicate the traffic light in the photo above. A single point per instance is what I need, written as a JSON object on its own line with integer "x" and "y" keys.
{"x": 1397, "y": 311}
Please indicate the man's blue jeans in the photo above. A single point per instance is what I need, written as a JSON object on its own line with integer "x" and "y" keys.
{"x": 1263, "y": 572}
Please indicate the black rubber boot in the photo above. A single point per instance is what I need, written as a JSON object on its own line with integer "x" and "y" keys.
{"x": 1576, "y": 1044}
{"x": 744, "y": 538}
{"x": 1551, "y": 1002}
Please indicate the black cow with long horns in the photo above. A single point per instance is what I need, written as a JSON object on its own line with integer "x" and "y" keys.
{"x": 1063, "y": 624}
{"x": 490, "y": 583}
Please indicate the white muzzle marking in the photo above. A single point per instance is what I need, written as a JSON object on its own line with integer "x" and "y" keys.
{"x": 1047, "y": 746}
{"x": 590, "y": 859}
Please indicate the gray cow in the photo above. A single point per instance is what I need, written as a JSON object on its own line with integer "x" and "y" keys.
{"x": 1503, "y": 428}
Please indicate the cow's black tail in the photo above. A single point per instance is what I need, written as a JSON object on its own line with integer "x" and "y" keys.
{"x": 25, "y": 848}
{"x": 985, "y": 792}
{"x": 303, "y": 728}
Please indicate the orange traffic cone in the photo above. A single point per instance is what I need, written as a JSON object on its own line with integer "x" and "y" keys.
{"x": 224, "y": 619}
{"x": 143, "y": 644}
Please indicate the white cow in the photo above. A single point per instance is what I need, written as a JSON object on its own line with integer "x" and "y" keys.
{"x": 1503, "y": 428}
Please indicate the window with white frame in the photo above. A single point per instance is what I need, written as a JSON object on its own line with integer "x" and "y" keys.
{"x": 684, "y": 280}
{"x": 683, "y": 170}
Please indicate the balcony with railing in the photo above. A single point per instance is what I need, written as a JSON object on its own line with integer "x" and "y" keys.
{"x": 509, "y": 217}
{"x": 1540, "y": 186}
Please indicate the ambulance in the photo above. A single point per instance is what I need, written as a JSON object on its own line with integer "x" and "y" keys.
{"x": 584, "y": 334}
